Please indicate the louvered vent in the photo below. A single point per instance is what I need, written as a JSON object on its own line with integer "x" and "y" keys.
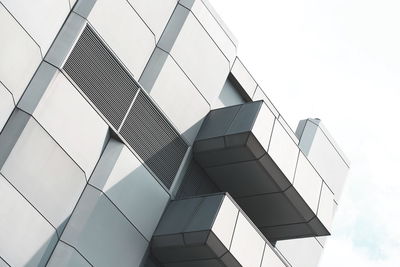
{"x": 154, "y": 139}
{"x": 111, "y": 89}
{"x": 101, "y": 77}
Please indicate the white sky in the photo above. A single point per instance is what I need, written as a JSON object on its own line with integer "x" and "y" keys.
{"x": 337, "y": 60}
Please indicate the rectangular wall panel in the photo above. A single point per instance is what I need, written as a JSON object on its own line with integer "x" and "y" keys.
{"x": 102, "y": 233}
{"x": 62, "y": 111}
{"x": 209, "y": 20}
{"x": 228, "y": 96}
{"x": 3, "y": 263}
{"x": 301, "y": 252}
{"x": 66, "y": 256}
{"x": 244, "y": 78}
{"x": 168, "y": 85}
{"x": 195, "y": 52}
{"x": 155, "y": 13}
{"x": 19, "y": 54}
{"x": 42, "y": 19}
{"x": 130, "y": 186}
{"x": 39, "y": 168}
{"x": 124, "y": 31}
{"x": 26, "y": 238}
{"x": 6, "y": 105}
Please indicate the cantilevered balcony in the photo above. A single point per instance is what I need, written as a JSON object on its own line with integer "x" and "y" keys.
{"x": 210, "y": 231}
{"x": 252, "y": 154}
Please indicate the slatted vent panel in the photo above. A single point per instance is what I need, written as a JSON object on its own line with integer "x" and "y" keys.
{"x": 101, "y": 77}
{"x": 154, "y": 139}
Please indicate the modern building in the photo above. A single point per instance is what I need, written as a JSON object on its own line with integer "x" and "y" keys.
{"x": 132, "y": 135}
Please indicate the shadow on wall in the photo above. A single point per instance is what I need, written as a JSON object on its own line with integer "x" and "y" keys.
{"x": 196, "y": 182}
{"x": 110, "y": 215}
{"x": 27, "y": 218}
{"x": 229, "y": 94}
{"x": 119, "y": 207}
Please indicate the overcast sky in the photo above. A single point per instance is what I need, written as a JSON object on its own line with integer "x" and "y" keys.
{"x": 337, "y": 60}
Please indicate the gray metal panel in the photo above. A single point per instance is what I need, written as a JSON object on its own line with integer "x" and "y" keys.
{"x": 192, "y": 218}
{"x": 196, "y": 182}
{"x": 209, "y": 20}
{"x": 205, "y": 214}
{"x": 228, "y": 96}
{"x": 6, "y": 105}
{"x": 155, "y": 13}
{"x": 37, "y": 87}
{"x": 264, "y": 125}
{"x": 50, "y": 179}
{"x": 168, "y": 84}
{"x": 244, "y": 78}
{"x": 187, "y": 41}
{"x": 41, "y": 18}
{"x": 327, "y": 206}
{"x": 305, "y": 132}
{"x": 225, "y": 150}
{"x": 128, "y": 184}
{"x": 247, "y": 244}
{"x": 220, "y": 21}
{"x": 225, "y": 221}
{"x": 101, "y": 77}
{"x": 102, "y": 233}
{"x": 62, "y": 111}
{"x": 243, "y": 179}
{"x": 150, "y": 134}
{"x": 271, "y": 259}
{"x": 3, "y": 263}
{"x": 245, "y": 118}
{"x": 229, "y": 121}
{"x": 217, "y": 122}
{"x": 299, "y": 132}
{"x": 66, "y": 39}
{"x": 323, "y": 152}
{"x": 26, "y": 238}
{"x": 177, "y": 216}
{"x": 84, "y": 7}
{"x": 125, "y": 32}
{"x": 259, "y": 94}
{"x": 66, "y": 256}
{"x": 11, "y": 132}
{"x": 151, "y": 262}
{"x": 302, "y": 252}
{"x": 279, "y": 209}
{"x": 283, "y": 151}
{"x": 288, "y": 130}
{"x": 308, "y": 182}
{"x": 20, "y": 55}
{"x": 286, "y": 231}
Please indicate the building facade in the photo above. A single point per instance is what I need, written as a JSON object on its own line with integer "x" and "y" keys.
{"x": 132, "y": 135}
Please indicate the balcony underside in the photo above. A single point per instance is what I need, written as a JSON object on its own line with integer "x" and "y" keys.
{"x": 260, "y": 180}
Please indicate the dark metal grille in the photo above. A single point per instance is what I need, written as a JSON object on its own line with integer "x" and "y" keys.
{"x": 149, "y": 133}
{"x": 101, "y": 77}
